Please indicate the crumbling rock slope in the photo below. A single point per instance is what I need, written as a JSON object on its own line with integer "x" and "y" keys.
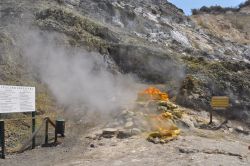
{"x": 152, "y": 39}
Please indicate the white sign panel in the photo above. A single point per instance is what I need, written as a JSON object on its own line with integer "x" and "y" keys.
{"x": 17, "y": 99}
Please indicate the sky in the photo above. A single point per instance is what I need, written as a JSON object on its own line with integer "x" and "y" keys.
{"x": 187, "y": 5}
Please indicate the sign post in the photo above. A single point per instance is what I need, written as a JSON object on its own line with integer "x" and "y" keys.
{"x": 218, "y": 103}
{"x": 2, "y": 139}
{"x": 33, "y": 129}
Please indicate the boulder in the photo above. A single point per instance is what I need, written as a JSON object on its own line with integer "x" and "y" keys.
{"x": 124, "y": 134}
{"x": 129, "y": 124}
{"x": 135, "y": 131}
{"x": 109, "y": 132}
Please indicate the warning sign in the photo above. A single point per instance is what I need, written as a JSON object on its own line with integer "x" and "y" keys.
{"x": 17, "y": 99}
{"x": 220, "y": 102}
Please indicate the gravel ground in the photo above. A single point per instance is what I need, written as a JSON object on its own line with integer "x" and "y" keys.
{"x": 196, "y": 147}
{"x": 205, "y": 147}
{"x": 187, "y": 150}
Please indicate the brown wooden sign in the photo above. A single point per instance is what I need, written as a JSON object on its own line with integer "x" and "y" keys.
{"x": 220, "y": 102}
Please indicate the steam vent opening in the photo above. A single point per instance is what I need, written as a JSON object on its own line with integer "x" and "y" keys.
{"x": 124, "y": 83}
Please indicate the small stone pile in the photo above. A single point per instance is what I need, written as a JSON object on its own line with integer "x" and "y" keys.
{"x": 114, "y": 133}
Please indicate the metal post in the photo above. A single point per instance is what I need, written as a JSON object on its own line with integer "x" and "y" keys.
{"x": 56, "y": 132}
{"x": 46, "y": 132}
{"x": 2, "y": 138}
{"x": 226, "y": 115}
{"x": 211, "y": 116}
{"x": 33, "y": 129}
{"x": 56, "y": 135}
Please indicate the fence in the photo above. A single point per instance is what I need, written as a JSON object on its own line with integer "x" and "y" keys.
{"x": 18, "y": 135}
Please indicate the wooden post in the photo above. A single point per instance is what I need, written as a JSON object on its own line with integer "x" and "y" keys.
{"x": 55, "y": 135}
{"x": 56, "y": 131}
{"x": 46, "y": 132}
{"x": 2, "y": 138}
{"x": 33, "y": 129}
{"x": 211, "y": 116}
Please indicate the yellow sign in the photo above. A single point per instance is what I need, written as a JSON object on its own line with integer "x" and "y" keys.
{"x": 220, "y": 102}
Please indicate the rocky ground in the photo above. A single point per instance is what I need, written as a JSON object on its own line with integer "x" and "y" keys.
{"x": 151, "y": 40}
{"x": 186, "y": 150}
{"x": 198, "y": 144}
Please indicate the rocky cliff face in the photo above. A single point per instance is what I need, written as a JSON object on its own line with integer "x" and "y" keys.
{"x": 150, "y": 38}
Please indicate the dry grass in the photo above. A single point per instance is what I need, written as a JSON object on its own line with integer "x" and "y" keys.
{"x": 233, "y": 27}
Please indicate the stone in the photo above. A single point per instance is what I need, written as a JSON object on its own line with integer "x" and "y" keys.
{"x": 156, "y": 140}
{"x": 177, "y": 113}
{"x": 92, "y": 145}
{"x": 239, "y": 128}
{"x": 124, "y": 134}
{"x": 130, "y": 113}
{"x": 162, "y": 109}
{"x": 135, "y": 131}
{"x": 109, "y": 132}
{"x": 92, "y": 136}
{"x": 124, "y": 112}
{"x": 180, "y": 38}
{"x": 187, "y": 121}
{"x": 196, "y": 96}
{"x": 187, "y": 151}
{"x": 101, "y": 144}
{"x": 113, "y": 144}
{"x": 171, "y": 105}
{"x": 230, "y": 130}
{"x": 225, "y": 131}
{"x": 129, "y": 119}
{"x": 72, "y": 2}
{"x": 229, "y": 124}
{"x": 129, "y": 124}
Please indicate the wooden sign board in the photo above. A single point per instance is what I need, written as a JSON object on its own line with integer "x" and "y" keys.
{"x": 17, "y": 99}
{"x": 220, "y": 102}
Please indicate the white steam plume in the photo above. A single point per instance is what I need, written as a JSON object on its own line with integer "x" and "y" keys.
{"x": 76, "y": 76}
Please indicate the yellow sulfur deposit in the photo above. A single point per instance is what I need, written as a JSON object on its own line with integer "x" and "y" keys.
{"x": 162, "y": 125}
{"x": 152, "y": 93}
{"x": 164, "y": 130}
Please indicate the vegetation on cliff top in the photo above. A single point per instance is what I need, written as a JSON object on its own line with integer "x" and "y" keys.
{"x": 218, "y": 9}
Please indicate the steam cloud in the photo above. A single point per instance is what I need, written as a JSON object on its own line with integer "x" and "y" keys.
{"x": 76, "y": 76}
